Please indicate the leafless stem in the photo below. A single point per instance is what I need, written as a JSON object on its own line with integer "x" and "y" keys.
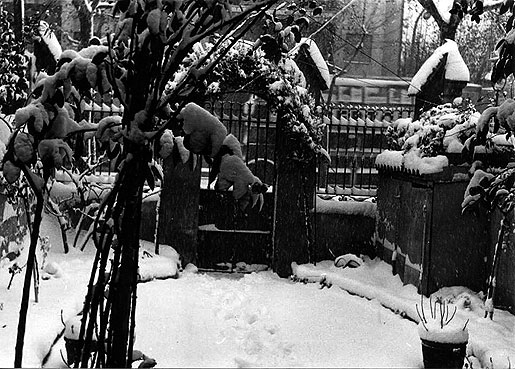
{"x": 452, "y": 316}
{"x": 422, "y": 320}
{"x": 465, "y": 326}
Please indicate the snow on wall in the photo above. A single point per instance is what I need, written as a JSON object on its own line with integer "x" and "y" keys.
{"x": 363, "y": 208}
{"x": 426, "y": 165}
{"x": 390, "y": 158}
{"x": 455, "y": 68}
{"x": 412, "y": 161}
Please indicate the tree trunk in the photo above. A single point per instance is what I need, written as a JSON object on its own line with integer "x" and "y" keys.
{"x": 123, "y": 285}
{"x": 447, "y": 30}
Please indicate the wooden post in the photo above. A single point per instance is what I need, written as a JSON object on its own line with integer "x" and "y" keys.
{"x": 294, "y": 182}
{"x": 179, "y": 209}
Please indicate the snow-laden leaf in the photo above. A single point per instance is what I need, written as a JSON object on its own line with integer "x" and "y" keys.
{"x": 183, "y": 151}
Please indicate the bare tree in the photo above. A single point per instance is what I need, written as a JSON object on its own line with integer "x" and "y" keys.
{"x": 348, "y": 42}
{"x": 480, "y": 40}
{"x": 448, "y": 27}
{"x": 421, "y": 35}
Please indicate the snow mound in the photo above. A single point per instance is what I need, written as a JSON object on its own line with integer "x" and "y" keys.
{"x": 52, "y": 269}
{"x": 152, "y": 266}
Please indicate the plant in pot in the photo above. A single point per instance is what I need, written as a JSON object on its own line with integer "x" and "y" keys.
{"x": 443, "y": 337}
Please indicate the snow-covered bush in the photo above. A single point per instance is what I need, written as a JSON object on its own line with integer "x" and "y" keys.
{"x": 248, "y": 68}
{"x": 442, "y": 129}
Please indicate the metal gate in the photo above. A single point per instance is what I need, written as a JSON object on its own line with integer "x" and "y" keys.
{"x": 232, "y": 239}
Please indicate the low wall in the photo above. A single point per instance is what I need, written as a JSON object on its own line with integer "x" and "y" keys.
{"x": 343, "y": 227}
{"x": 340, "y": 227}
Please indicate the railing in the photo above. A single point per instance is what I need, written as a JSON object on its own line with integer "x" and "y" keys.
{"x": 354, "y": 136}
{"x": 94, "y": 111}
{"x": 254, "y": 126}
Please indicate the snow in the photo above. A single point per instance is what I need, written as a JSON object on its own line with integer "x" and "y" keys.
{"x": 455, "y": 68}
{"x": 425, "y": 165}
{"x": 317, "y": 57}
{"x": 50, "y": 39}
{"x": 454, "y": 332}
{"x": 412, "y": 161}
{"x": 255, "y": 319}
{"x": 152, "y": 266}
{"x": 352, "y": 208}
{"x": 491, "y": 342}
{"x": 444, "y": 7}
{"x": 390, "y": 158}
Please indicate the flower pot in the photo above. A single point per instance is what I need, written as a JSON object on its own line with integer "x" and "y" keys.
{"x": 443, "y": 354}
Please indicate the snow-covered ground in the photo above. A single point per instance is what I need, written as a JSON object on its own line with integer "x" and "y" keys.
{"x": 366, "y": 319}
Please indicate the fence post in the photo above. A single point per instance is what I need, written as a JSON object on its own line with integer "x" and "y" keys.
{"x": 179, "y": 209}
{"x": 294, "y": 182}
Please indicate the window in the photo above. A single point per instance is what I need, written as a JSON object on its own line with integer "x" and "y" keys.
{"x": 353, "y": 40}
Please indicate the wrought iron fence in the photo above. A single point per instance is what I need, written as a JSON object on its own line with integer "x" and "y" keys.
{"x": 94, "y": 111}
{"x": 254, "y": 126}
{"x": 354, "y": 136}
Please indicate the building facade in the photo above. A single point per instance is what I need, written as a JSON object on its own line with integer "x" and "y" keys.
{"x": 365, "y": 40}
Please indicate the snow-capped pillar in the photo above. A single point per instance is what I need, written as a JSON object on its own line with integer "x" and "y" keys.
{"x": 452, "y": 89}
{"x": 440, "y": 79}
{"x": 294, "y": 184}
{"x": 179, "y": 210}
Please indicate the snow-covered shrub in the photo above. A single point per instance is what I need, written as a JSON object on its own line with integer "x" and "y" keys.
{"x": 279, "y": 85}
{"x": 442, "y": 129}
